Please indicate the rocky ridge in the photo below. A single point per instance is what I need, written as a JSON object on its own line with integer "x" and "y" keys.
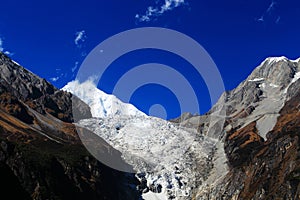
{"x": 41, "y": 155}
{"x": 260, "y": 127}
{"x": 37, "y": 93}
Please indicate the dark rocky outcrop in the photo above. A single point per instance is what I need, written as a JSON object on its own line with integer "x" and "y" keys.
{"x": 14, "y": 107}
{"x": 41, "y": 154}
{"x": 241, "y": 146}
{"x": 51, "y": 171}
{"x": 38, "y": 93}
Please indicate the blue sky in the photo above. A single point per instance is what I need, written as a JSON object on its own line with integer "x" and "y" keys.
{"x": 52, "y": 38}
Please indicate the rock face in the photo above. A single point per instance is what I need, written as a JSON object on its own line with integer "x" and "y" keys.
{"x": 37, "y": 93}
{"x": 260, "y": 136}
{"x": 41, "y": 155}
{"x": 264, "y": 170}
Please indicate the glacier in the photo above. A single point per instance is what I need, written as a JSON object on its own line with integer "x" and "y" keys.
{"x": 167, "y": 155}
{"x": 164, "y": 154}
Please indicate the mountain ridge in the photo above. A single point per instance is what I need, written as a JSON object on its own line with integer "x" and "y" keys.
{"x": 246, "y": 147}
{"x": 40, "y": 149}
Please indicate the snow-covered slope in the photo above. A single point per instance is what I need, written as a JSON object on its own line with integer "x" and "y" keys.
{"x": 101, "y": 104}
{"x": 169, "y": 159}
{"x": 172, "y": 159}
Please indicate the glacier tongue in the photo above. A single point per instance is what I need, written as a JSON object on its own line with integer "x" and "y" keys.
{"x": 167, "y": 155}
{"x": 101, "y": 104}
{"x": 170, "y": 158}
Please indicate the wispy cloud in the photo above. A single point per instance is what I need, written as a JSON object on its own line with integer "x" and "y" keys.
{"x": 261, "y": 19}
{"x": 278, "y": 20}
{"x": 1, "y": 45}
{"x": 79, "y": 41}
{"x": 54, "y": 79}
{"x": 80, "y": 38}
{"x": 58, "y": 76}
{"x": 153, "y": 12}
{"x": 271, "y": 7}
{"x": 75, "y": 67}
{"x": 269, "y": 14}
{"x": 3, "y": 50}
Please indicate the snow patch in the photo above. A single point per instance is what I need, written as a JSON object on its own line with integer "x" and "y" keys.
{"x": 15, "y": 63}
{"x": 263, "y": 85}
{"x": 296, "y": 77}
{"x": 266, "y": 124}
{"x": 256, "y": 80}
{"x": 297, "y": 60}
{"x": 274, "y": 85}
{"x": 272, "y": 60}
{"x": 154, "y": 196}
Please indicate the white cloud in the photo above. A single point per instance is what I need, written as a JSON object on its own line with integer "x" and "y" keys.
{"x": 1, "y": 45}
{"x": 80, "y": 37}
{"x": 75, "y": 67}
{"x": 54, "y": 79}
{"x": 8, "y": 53}
{"x": 3, "y": 50}
{"x": 153, "y": 12}
{"x": 278, "y": 20}
{"x": 269, "y": 15}
{"x": 271, "y": 7}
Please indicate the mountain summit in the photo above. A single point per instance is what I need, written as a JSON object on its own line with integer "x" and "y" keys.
{"x": 101, "y": 104}
{"x": 260, "y": 135}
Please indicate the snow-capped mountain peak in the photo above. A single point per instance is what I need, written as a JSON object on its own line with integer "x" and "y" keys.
{"x": 166, "y": 156}
{"x": 101, "y": 104}
{"x": 271, "y": 60}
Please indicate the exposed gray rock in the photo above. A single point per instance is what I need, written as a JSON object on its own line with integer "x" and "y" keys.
{"x": 259, "y": 98}
{"x": 38, "y": 93}
{"x": 252, "y": 112}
